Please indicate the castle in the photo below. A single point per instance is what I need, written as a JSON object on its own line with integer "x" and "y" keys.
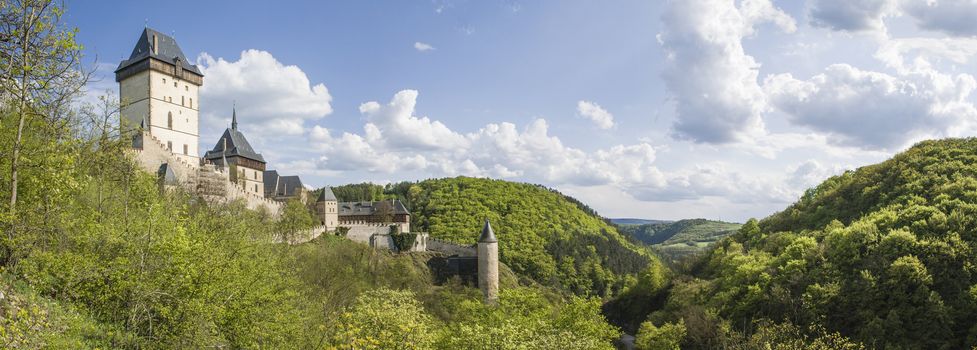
{"x": 160, "y": 108}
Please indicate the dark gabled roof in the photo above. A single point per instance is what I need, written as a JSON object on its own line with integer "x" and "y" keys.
{"x": 289, "y": 186}
{"x": 281, "y": 186}
{"x": 168, "y": 51}
{"x": 270, "y": 179}
{"x": 166, "y": 175}
{"x": 369, "y": 208}
{"x": 326, "y": 195}
{"x": 237, "y": 145}
{"x": 488, "y": 235}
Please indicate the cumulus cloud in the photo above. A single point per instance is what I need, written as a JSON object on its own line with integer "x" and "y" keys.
{"x": 876, "y": 110}
{"x": 811, "y": 173}
{"x": 872, "y": 109}
{"x": 419, "y": 46}
{"x": 394, "y": 140}
{"x": 712, "y": 80}
{"x": 272, "y": 98}
{"x": 954, "y": 17}
{"x": 601, "y": 117}
{"x": 850, "y": 15}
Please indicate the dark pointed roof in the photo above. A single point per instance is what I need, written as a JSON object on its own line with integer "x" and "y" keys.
{"x": 326, "y": 195}
{"x": 168, "y": 51}
{"x": 236, "y": 145}
{"x": 488, "y": 236}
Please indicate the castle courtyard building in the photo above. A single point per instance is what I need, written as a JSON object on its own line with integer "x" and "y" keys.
{"x": 233, "y": 153}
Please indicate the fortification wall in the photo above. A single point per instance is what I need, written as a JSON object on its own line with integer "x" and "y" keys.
{"x": 210, "y": 183}
{"x": 450, "y": 248}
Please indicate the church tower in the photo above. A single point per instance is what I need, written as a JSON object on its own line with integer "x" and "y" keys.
{"x": 158, "y": 90}
{"x": 488, "y": 264}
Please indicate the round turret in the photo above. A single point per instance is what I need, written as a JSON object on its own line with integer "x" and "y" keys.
{"x": 488, "y": 264}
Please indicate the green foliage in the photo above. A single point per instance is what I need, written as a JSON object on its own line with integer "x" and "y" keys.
{"x": 525, "y": 319}
{"x": 404, "y": 242}
{"x": 295, "y": 217}
{"x": 385, "y": 319}
{"x": 666, "y": 337}
{"x": 882, "y": 255}
{"x": 543, "y": 234}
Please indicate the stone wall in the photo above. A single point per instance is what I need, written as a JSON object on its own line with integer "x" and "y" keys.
{"x": 208, "y": 182}
{"x": 450, "y": 248}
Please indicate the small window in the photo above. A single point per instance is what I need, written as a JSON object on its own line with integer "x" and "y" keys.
{"x": 174, "y": 84}
{"x": 256, "y": 188}
{"x": 186, "y": 149}
{"x": 183, "y": 100}
{"x": 169, "y": 120}
{"x": 191, "y": 102}
{"x": 169, "y": 146}
{"x": 186, "y": 87}
{"x": 164, "y": 80}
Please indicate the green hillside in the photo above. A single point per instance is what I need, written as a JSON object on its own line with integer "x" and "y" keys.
{"x": 543, "y": 234}
{"x": 883, "y": 255}
{"x": 680, "y": 232}
{"x": 674, "y": 240}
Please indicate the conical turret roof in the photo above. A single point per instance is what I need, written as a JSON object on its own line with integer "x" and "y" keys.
{"x": 488, "y": 236}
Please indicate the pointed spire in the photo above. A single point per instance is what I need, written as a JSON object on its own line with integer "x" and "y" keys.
{"x": 488, "y": 236}
{"x": 234, "y": 116}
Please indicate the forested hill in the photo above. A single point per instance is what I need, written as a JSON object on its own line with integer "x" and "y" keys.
{"x": 543, "y": 234}
{"x": 883, "y": 255}
{"x": 682, "y": 231}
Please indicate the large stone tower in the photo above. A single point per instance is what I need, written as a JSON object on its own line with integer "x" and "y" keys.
{"x": 488, "y": 264}
{"x": 158, "y": 92}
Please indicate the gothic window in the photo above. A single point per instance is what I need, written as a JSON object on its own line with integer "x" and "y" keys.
{"x": 169, "y": 120}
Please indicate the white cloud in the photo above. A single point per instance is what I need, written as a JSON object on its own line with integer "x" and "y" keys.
{"x": 876, "y": 110}
{"x": 712, "y": 80}
{"x": 401, "y": 129}
{"x": 850, "y": 15}
{"x": 530, "y": 153}
{"x": 601, "y": 117}
{"x": 812, "y": 173}
{"x": 419, "y": 46}
{"x": 273, "y": 99}
{"x": 954, "y": 17}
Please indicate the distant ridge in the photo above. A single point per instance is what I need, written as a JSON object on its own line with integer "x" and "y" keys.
{"x": 634, "y": 221}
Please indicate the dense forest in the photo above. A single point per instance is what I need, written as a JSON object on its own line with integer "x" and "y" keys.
{"x": 543, "y": 234}
{"x": 879, "y": 257}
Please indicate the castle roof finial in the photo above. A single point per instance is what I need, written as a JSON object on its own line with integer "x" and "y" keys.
{"x": 234, "y": 116}
{"x": 488, "y": 236}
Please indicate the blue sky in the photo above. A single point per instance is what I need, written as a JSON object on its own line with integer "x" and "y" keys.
{"x": 656, "y": 109}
